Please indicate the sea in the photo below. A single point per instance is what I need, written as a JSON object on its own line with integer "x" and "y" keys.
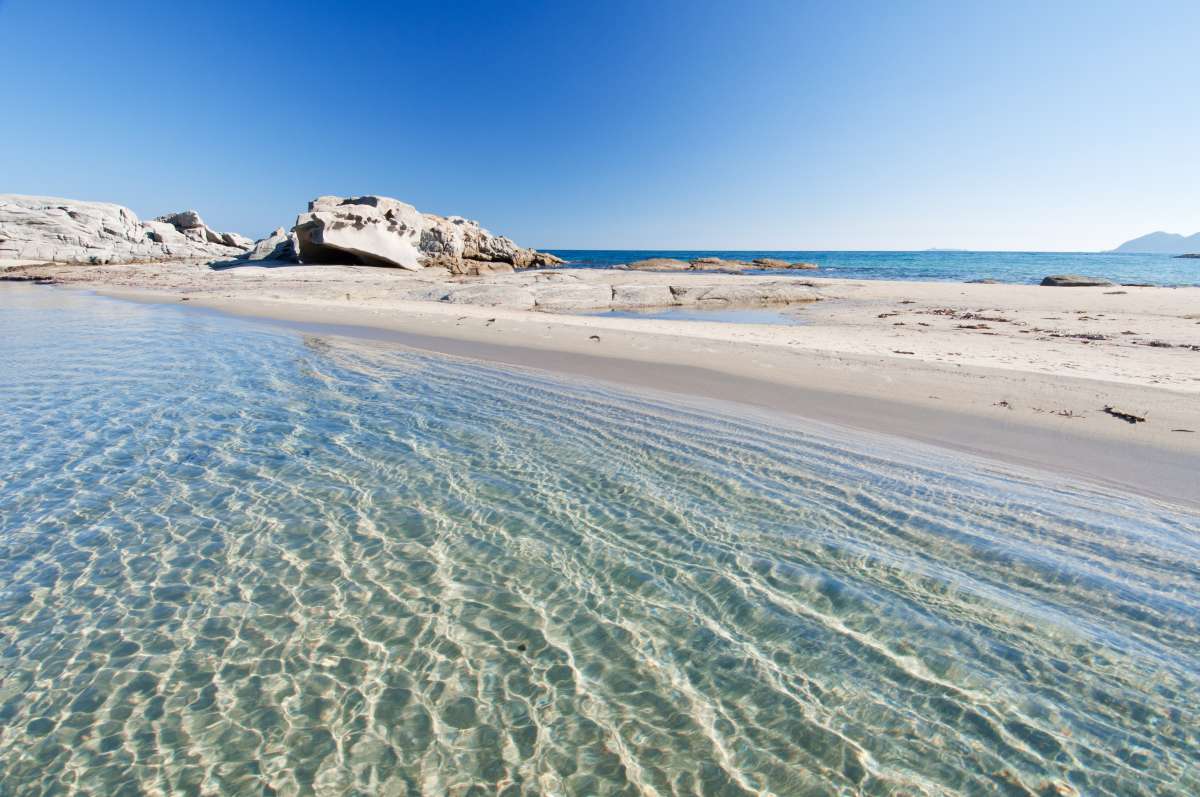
{"x": 242, "y": 559}
{"x": 936, "y": 265}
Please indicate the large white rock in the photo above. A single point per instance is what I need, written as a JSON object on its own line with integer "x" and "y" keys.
{"x": 72, "y": 231}
{"x": 377, "y": 230}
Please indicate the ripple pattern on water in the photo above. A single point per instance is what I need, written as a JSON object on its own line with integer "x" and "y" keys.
{"x": 238, "y": 560}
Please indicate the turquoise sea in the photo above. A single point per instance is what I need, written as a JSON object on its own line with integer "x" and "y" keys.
{"x": 240, "y": 559}
{"x": 951, "y": 266}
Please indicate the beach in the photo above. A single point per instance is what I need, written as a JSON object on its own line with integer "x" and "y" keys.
{"x": 1021, "y": 373}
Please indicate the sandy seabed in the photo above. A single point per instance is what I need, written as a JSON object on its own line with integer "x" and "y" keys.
{"x": 1017, "y": 372}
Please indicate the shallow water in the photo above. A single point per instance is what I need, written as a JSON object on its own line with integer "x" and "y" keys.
{"x": 236, "y": 559}
{"x": 949, "y": 266}
{"x": 753, "y": 315}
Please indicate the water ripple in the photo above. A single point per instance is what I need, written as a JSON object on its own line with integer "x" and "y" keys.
{"x": 239, "y": 560}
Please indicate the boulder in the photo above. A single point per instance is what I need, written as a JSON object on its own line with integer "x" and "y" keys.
{"x": 466, "y": 267}
{"x": 369, "y": 230}
{"x": 659, "y": 264}
{"x": 164, "y": 233}
{"x": 1075, "y": 281}
{"x": 717, "y": 264}
{"x": 72, "y": 231}
{"x": 189, "y": 224}
{"x": 381, "y": 231}
{"x": 236, "y": 241}
{"x": 279, "y": 246}
{"x": 775, "y": 263}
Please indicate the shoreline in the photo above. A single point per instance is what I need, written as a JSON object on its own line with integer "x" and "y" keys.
{"x": 950, "y": 406}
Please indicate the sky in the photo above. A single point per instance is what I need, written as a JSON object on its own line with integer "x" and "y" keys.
{"x": 624, "y": 125}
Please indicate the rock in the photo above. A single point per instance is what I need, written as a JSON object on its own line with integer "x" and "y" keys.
{"x": 1184, "y": 257}
{"x": 713, "y": 264}
{"x": 369, "y": 230}
{"x": 640, "y": 297}
{"x": 717, "y": 264}
{"x": 164, "y": 233}
{"x": 382, "y": 231}
{"x": 236, "y": 241}
{"x": 775, "y": 263}
{"x": 988, "y": 281}
{"x": 514, "y": 296}
{"x": 659, "y": 264}
{"x": 786, "y": 292}
{"x": 189, "y": 224}
{"x": 279, "y": 246}
{"x": 570, "y": 298}
{"x": 72, "y": 231}
{"x": 1075, "y": 281}
{"x": 469, "y": 268}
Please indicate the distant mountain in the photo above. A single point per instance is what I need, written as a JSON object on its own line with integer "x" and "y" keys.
{"x": 1162, "y": 243}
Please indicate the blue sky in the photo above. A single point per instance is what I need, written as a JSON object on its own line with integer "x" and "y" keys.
{"x": 990, "y": 125}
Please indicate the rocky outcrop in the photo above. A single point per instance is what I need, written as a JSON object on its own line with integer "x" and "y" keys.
{"x": 659, "y": 264}
{"x": 1187, "y": 256}
{"x": 775, "y": 263}
{"x": 279, "y": 246}
{"x": 1075, "y": 281}
{"x": 714, "y": 264}
{"x": 380, "y": 231}
{"x": 71, "y": 231}
{"x": 189, "y": 224}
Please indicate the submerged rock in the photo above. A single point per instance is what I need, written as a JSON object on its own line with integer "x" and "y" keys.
{"x": 1075, "y": 281}
{"x": 381, "y": 231}
{"x": 72, "y": 231}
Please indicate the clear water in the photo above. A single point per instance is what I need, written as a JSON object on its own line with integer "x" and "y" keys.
{"x": 239, "y": 560}
{"x": 1015, "y": 267}
{"x": 752, "y": 315}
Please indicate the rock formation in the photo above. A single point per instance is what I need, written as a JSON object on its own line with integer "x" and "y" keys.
{"x": 71, "y": 231}
{"x": 714, "y": 264}
{"x": 775, "y": 263}
{"x": 279, "y": 246}
{"x": 659, "y": 264}
{"x": 381, "y": 231}
{"x": 1075, "y": 281}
